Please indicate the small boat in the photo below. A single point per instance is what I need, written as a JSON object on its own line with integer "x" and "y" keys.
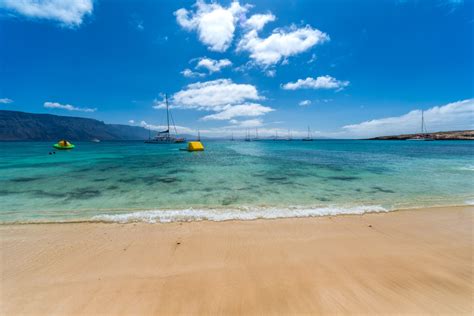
{"x": 256, "y": 134}
{"x": 424, "y": 132}
{"x": 309, "y": 138}
{"x": 165, "y": 137}
{"x": 247, "y": 136}
{"x": 95, "y": 140}
{"x": 63, "y": 144}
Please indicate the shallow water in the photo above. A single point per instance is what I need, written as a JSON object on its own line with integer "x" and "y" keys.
{"x": 126, "y": 181}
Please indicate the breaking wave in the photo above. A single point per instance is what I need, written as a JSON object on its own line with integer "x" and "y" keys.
{"x": 187, "y": 215}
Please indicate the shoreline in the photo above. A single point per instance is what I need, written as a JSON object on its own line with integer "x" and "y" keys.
{"x": 377, "y": 209}
{"x": 404, "y": 262}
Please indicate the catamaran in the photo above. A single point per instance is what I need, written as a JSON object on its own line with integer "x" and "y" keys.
{"x": 165, "y": 137}
{"x": 424, "y": 132}
{"x": 309, "y": 138}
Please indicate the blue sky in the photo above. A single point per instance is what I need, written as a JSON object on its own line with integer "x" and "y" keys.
{"x": 346, "y": 68}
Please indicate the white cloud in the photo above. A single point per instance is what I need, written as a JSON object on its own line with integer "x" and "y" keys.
{"x": 280, "y": 44}
{"x": 214, "y": 95}
{"x": 322, "y": 82}
{"x": 214, "y": 24}
{"x": 69, "y": 12}
{"x": 5, "y": 100}
{"x": 246, "y": 123}
{"x": 249, "y": 109}
{"x": 179, "y": 129}
{"x": 305, "y": 103}
{"x": 270, "y": 73}
{"x": 223, "y": 97}
{"x": 453, "y": 116}
{"x": 258, "y": 21}
{"x": 131, "y": 121}
{"x": 55, "y": 105}
{"x": 188, "y": 73}
{"x": 213, "y": 65}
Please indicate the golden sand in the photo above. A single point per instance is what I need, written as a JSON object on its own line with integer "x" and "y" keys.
{"x": 405, "y": 262}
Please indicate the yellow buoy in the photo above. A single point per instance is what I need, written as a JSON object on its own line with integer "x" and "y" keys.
{"x": 195, "y": 146}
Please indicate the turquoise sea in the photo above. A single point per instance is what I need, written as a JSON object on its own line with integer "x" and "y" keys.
{"x": 133, "y": 181}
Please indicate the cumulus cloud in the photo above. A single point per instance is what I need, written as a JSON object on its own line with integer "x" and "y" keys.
{"x": 188, "y": 73}
{"x": 214, "y": 23}
{"x": 305, "y": 103}
{"x": 249, "y": 109}
{"x": 282, "y": 43}
{"x": 5, "y": 100}
{"x": 55, "y": 105}
{"x": 223, "y": 97}
{"x": 245, "y": 124}
{"x": 214, "y": 95}
{"x": 258, "y": 21}
{"x": 322, "y": 82}
{"x": 453, "y": 116}
{"x": 131, "y": 121}
{"x": 213, "y": 65}
{"x": 179, "y": 129}
{"x": 69, "y": 13}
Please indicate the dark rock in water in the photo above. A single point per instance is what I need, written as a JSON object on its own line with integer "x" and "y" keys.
{"x": 276, "y": 178}
{"x": 343, "y": 178}
{"x": 126, "y": 180}
{"x": 112, "y": 187}
{"x": 379, "y": 189}
{"x": 323, "y": 199}
{"x": 84, "y": 193}
{"x": 25, "y": 179}
{"x": 229, "y": 200}
{"x": 159, "y": 179}
{"x": 45, "y": 194}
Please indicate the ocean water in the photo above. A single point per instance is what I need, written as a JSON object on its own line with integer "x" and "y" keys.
{"x": 133, "y": 181}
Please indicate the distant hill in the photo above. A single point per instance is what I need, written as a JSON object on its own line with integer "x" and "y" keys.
{"x": 453, "y": 135}
{"x": 21, "y": 126}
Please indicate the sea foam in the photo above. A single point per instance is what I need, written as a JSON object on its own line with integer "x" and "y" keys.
{"x": 187, "y": 215}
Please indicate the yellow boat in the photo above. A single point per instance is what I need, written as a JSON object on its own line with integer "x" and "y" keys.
{"x": 63, "y": 144}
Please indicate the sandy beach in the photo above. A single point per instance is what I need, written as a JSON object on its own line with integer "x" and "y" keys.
{"x": 404, "y": 262}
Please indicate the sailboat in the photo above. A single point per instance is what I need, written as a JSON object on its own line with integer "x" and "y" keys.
{"x": 256, "y": 134}
{"x": 424, "y": 132}
{"x": 247, "y": 136}
{"x": 232, "y": 138}
{"x": 289, "y": 135}
{"x": 165, "y": 137}
{"x": 309, "y": 138}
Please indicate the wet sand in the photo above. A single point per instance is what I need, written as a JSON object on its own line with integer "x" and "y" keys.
{"x": 404, "y": 262}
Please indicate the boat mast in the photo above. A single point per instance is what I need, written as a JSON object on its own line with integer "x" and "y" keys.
{"x": 167, "y": 113}
{"x": 309, "y": 133}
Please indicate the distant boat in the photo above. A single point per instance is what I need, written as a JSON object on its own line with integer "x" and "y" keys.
{"x": 165, "y": 137}
{"x": 232, "y": 138}
{"x": 424, "y": 132}
{"x": 276, "y": 135}
{"x": 309, "y": 138}
{"x": 289, "y": 136}
{"x": 95, "y": 140}
{"x": 247, "y": 136}
{"x": 256, "y": 134}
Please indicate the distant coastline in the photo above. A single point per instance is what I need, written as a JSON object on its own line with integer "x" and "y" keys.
{"x": 451, "y": 135}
